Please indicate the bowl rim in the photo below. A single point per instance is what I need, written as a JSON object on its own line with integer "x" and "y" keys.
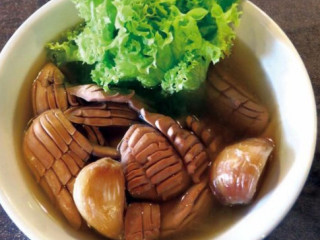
{"x": 33, "y": 233}
{"x": 304, "y": 175}
{"x": 21, "y": 221}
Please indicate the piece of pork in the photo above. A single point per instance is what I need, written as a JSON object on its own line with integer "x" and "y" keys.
{"x": 50, "y": 91}
{"x": 211, "y": 137}
{"x": 94, "y": 135}
{"x": 95, "y": 93}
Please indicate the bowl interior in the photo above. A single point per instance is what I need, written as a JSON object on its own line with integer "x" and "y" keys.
{"x": 285, "y": 83}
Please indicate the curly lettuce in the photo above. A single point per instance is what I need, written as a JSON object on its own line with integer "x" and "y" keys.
{"x": 166, "y": 43}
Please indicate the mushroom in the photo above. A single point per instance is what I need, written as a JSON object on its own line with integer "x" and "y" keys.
{"x": 102, "y": 115}
{"x": 234, "y": 104}
{"x": 55, "y": 152}
{"x": 48, "y": 90}
{"x": 185, "y": 142}
{"x": 179, "y": 214}
{"x": 152, "y": 168}
{"x": 142, "y": 221}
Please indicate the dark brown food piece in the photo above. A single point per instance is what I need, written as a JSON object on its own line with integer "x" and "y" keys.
{"x": 48, "y": 90}
{"x": 152, "y": 168}
{"x": 180, "y": 214}
{"x": 234, "y": 104}
{"x": 236, "y": 171}
{"x": 102, "y": 115}
{"x": 185, "y": 142}
{"x": 142, "y": 221}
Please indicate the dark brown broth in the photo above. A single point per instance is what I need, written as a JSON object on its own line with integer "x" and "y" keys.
{"x": 243, "y": 64}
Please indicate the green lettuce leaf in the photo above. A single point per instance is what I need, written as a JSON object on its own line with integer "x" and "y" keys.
{"x": 158, "y": 43}
{"x": 65, "y": 50}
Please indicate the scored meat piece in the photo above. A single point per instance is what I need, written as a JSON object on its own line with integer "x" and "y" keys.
{"x": 48, "y": 90}
{"x": 56, "y": 151}
{"x": 234, "y": 104}
{"x": 185, "y": 142}
{"x": 102, "y": 115}
{"x": 142, "y": 221}
{"x": 192, "y": 207}
{"x": 152, "y": 168}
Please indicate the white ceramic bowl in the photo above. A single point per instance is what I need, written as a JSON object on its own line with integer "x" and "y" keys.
{"x": 288, "y": 82}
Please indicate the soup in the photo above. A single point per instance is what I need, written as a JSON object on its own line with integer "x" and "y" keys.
{"x": 222, "y": 217}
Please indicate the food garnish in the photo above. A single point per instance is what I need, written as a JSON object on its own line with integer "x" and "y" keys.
{"x": 167, "y": 43}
